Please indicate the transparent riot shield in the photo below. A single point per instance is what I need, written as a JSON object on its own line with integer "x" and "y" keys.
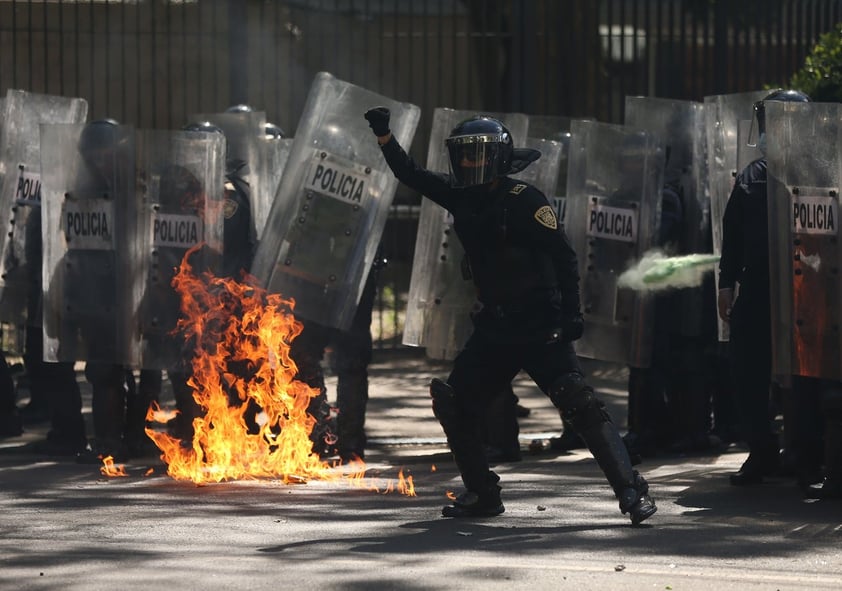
{"x": 680, "y": 127}
{"x": 723, "y": 113}
{"x": 88, "y": 234}
{"x": 246, "y": 155}
{"x": 276, "y": 152}
{"x": 556, "y": 129}
{"x": 543, "y": 174}
{"x": 180, "y": 193}
{"x": 20, "y": 196}
{"x": 804, "y": 175}
{"x": 332, "y": 203}
{"x": 747, "y": 150}
{"x": 614, "y": 185}
{"x": 441, "y": 295}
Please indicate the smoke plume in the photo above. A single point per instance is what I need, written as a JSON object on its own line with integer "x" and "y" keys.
{"x": 658, "y": 272}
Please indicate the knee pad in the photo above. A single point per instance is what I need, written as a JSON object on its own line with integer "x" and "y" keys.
{"x": 577, "y": 403}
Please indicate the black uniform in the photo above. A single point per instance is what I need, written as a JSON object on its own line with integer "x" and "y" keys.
{"x": 352, "y": 352}
{"x": 57, "y": 381}
{"x": 649, "y": 388}
{"x": 237, "y": 256}
{"x": 10, "y": 423}
{"x": 527, "y": 281}
{"x": 745, "y": 259}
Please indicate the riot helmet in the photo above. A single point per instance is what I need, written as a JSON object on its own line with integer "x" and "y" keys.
{"x": 240, "y": 108}
{"x": 179, "y": 190}
{"x": 480, "y": 150}
{"x": 99, "y": 144}
{"x": 273, "y": 132}
{"x": 206, "y": 127}
{"x": 792, "y": 96}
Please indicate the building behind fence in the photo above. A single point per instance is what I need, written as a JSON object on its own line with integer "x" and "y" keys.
{"x": 153, "y": 63}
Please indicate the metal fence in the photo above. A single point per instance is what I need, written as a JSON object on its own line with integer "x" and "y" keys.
{"x": 152, "y": 63}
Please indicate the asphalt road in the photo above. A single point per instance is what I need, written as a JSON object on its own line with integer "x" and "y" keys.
{"x": 65, "y": 526}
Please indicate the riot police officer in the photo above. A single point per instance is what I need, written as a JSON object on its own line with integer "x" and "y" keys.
{"x": 105, "y": 152}
{"x": 527, "y": 282}
{"x": 237, "y": 256}
{"x": 745, "y": 260}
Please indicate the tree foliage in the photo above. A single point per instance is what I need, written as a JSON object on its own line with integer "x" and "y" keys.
{"x": 821, "y": 75}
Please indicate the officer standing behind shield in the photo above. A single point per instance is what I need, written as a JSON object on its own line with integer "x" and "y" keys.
{"x": 527, "y": 281}
{"x": 745, "y": 260}
{"x": 90, "y": 278}
{"x": 237, "y": 255}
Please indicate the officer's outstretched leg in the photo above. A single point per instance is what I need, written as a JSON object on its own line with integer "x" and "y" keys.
{"x": 482, "y": 497}
{"x": 587, "y": 415}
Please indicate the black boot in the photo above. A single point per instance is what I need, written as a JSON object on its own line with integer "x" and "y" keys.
{"x": 831, "y": 485}
{"x": 763, "y": 460}
{"x": 108, "y": 410}
{"x": 610, "y": 453}
{"x": 485, "y": 502}
{"x": 482, "y": 497}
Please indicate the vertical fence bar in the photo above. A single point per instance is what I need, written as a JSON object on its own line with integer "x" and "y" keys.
{"x": 30, "y": 43}
{"x": 61, "y": 87}
{"x": 238, "y": 52}
{"x": 107, "y": 52}
{"x": 46, "y": 48}
{"x": 14, "y": 44}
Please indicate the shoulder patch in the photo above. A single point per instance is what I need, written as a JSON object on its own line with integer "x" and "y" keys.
{"x": 517, "y": 189}
{"x": 229, "y": 208}
{"x": 546, "y": 217}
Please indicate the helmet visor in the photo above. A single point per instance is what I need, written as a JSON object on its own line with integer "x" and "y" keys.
{"x": 474, "y": 159}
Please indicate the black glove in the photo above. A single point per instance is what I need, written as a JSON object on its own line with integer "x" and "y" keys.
{"x": 378, "y": 120}
{"x": 572, "y": 327}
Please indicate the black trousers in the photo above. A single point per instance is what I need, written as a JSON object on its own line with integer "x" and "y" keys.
{"x": 751, "y": 365}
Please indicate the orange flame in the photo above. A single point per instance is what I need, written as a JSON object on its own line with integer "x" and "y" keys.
{"x": 109, "y": 468}
{"x": 241, "y": 337}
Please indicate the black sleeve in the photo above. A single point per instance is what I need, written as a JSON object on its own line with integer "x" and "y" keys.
{"x": 435, "y": 186}
{"x": 733, "y": 226}
{"x": 536, "y": 221}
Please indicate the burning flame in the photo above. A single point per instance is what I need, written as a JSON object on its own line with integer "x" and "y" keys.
{"x": 241, "y": 337}
{"x": 109, "y": 468}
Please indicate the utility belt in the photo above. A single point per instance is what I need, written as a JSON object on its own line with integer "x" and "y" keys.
{"x": 529, "y": 319}
{"x": 530, "y": 303}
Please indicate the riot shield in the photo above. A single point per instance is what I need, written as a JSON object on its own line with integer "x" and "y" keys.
{"x": 680, "y": 126}
{"x": 804, "y": 175}
{"x": 723, "y": 112}
{"x": 543, "y": 174}
{"x": 331, "y": 207}
{"x": 614, "y": 185}
{"x": 246, "y": 155}
{"x": 747, "y": 151}
{"x": 88, "y": 234}
{"x": 440, "y": 295}
{"x": 276, "y": 153}
{"x": 556, "y": 129}
{"x": 180, "y": 193}
{"x": 20, "y": 195}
